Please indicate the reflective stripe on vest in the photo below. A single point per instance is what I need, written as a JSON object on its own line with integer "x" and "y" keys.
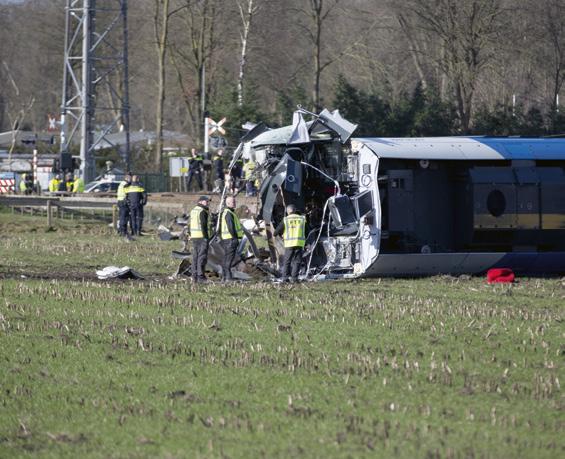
{"x": 135, "y": 189}
{"x": 293, "y": 235}
{"x": 225, "y": 234}
{"x": 196, "y": 231}
{"x": 122, "y": 191}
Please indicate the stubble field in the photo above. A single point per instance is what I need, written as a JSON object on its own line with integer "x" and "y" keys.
{"x": 437, "y": 367}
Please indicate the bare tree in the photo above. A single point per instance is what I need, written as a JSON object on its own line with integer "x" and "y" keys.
{"x": 551, "y": 37}
{"x": 18, "y": 113}
{"x": 161, "y": 29}
{"x": 192, "y": 54}
{"x": 247, "y": 10}
{"x": 466, "y": 31}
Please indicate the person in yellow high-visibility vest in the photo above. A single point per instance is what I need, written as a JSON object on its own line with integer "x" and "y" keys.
{"x": 55, "y": 183}
{"x": 248, "y": 171}
{"x": 200, "y": 235}
{"x": 293, "y": 230}
{"x": 123, "y": 209}
{"x": 78, "y": 184}
{"x": 230, "y": 234}
{"x": 23, "y": 186}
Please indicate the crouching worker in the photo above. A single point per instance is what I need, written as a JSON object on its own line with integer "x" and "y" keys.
{"x": 200, "y": 235}
{"x": 293, "y": 230}
{"x": 230, "y": 234}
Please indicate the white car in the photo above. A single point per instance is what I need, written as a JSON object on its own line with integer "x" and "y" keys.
{"x": 102, "y": 186}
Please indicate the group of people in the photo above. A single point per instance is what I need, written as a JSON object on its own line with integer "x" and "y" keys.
{"x": 240, "y": 176}
{"x": 292, "y": 229}
{"x": 131, "y": 197}
{"x": 69, "y": 184}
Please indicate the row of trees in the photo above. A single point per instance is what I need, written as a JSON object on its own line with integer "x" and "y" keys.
{"x": 396, "y": 67}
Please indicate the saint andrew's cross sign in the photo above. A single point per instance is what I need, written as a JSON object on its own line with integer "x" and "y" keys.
{"x": 214, "y": 127}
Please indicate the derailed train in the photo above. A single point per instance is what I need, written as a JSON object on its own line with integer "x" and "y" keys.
{"x": 414, "y": 206}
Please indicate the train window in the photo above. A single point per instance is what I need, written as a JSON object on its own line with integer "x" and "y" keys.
{"x": 496, "y": 203}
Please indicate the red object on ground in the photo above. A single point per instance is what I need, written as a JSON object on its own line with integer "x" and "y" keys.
{"x": 500, "y": 275}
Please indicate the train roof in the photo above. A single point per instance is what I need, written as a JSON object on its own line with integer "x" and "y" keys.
{"x": 467, "y": 148}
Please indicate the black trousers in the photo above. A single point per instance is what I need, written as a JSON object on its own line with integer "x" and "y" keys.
{"x": 124, "y": 217}
{"x": 199, "y": 258}
{"x": 230, "y": 248}
{"x": 136, "y": 218}
{"x": 292, "y": 262}
{"x": 194, "y": 174}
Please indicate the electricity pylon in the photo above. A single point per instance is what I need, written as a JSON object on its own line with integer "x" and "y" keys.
{"x": 95, "y": 80}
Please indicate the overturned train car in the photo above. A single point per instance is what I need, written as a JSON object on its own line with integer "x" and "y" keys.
{"x": 416, "y": 206}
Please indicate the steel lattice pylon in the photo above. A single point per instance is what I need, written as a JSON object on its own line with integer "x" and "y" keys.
{"x": 95, "y": 81}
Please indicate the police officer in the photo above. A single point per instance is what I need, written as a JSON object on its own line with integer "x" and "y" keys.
{"x": 200, "y": 235}
{"x": 123, "y": 208}
{"x": 230, "y": 234}
{"x": 235, "y": 175}
{"x": 219, "y": 171}
{"x": 136, "y": 198}
{"x": 194, "y": 169}
{"x": 293, "y": 230}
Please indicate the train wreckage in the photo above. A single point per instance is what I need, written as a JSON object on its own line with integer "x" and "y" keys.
{"x": 405, "y": 206}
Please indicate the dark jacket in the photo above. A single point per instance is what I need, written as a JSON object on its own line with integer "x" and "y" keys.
{"x": 195, "y": 163}
{"x": 136, "y": 195}
{"x": 219, "y": 167}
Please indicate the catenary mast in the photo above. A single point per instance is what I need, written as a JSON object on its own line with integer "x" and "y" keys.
{"x": 95, "y": 80}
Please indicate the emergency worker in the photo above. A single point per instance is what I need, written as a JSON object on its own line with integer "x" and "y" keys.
{"x": 30, "y": 186}
{"x": 78, "y": 185}
{"x": 248, "y": 170}
{"x": 23, "y": 185}
{"x": 54, "y": 183}
{"x": 123, "y": 209}
{"x": 236, "y": 173}
{"x": 293, "y": 230}
{"x": 230, "y": 234}
{"x": 200, "y": 235}
{"x": 69, "y": 183}
{"x": 136, "y": 198}
{"x": 194, "y": 169}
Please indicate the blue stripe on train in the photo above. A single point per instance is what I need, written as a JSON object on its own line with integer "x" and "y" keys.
{"x": 533, "y": 263}
{"x": 520, "y": 148}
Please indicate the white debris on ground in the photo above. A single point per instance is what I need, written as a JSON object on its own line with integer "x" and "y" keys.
{"x": 113, "y": 272}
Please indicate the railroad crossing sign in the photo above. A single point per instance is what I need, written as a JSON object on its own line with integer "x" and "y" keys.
{"x": 52, "y": 123}
{"x": 216, "y": 127}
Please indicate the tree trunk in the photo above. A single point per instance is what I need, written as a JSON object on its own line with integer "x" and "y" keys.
{"x": 246, "y": 18}
{"x": 317, "y": 7}
{"x": 161, "y": 32}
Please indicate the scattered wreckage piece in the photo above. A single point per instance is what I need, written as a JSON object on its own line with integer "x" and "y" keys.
{"x": 250, "y": 262}
{"x": 113, "y": 272}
